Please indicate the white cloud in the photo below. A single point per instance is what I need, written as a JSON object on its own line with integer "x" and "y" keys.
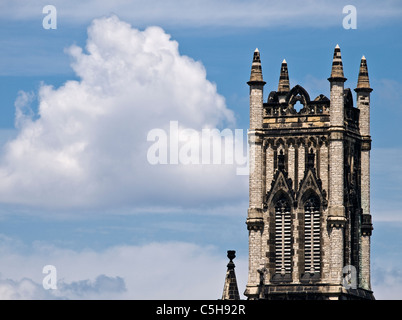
{"x": 387, "y": 281}
{"x": 24, "y": 289}
{"x": 88, "y": 145}
{"x": 173, "y": 270}
{"x": 102, "y": 286}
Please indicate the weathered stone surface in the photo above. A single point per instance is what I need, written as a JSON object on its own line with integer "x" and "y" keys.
{"x": 314, "y": 160}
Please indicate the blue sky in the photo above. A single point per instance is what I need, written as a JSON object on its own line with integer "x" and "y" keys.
{"x": 77, "y": 191}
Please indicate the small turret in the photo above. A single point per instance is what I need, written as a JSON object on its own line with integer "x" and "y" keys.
{"x": 283, "y": 86}
{"x": 363, "y": 91}
{"x": 363, "y": 79}
{"x": 256, "y": 84}
{"x": 336, "y": 209}
{"x": 337, "y": 80}
{"x": 363, "y": 100}
{"x": 337, "y": 66}
{"x": 256, "y": 71}
{"x": 255, "y": 221}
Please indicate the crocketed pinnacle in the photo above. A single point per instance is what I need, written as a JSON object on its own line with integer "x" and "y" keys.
{"x": 283, "y": 85}
{"x": 337, "y": 67}
{"x": 363, "y": 80}
{"x": 256, "y": 71}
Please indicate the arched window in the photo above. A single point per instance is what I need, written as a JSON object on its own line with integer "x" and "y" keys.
{"x": 283, "y": 243}
{"x": 312, "y": 236}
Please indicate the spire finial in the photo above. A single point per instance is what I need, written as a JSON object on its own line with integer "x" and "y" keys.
{"x": 230, "y": 289}
{"x": 256, "y": 71}
{"x": 337, "y": 66}
{"x": 283, "y": 85}
{"x": 363, "y": 79}
{"x": 231, "y": 255}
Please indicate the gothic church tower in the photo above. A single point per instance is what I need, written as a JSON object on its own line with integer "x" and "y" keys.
{"x": 309, "y": 218}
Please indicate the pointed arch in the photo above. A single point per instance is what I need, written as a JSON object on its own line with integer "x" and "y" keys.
{"x": 281, "y": 212}
{"x": 280, "y": 184}
{"x": 311, "y": 200}
{"x": 290, "y": 141}
{"x": 298, "y": 93}
{"x": 311, "y": 184}
{"x": 312, "y": 236}
{"x": 321, "y": 97}
{"x": 282, "y": 196}
{"x": 312, "y": 142}
{"x": 301, "y": 141}
{"x": 280, "y": 142}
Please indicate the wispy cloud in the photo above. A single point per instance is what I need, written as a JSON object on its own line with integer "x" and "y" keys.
{"x": 389, "y": 92}
{"x": 172, "y": 270}
{"x": 387, "y": 281}
{"x": 256, "y": 13}
{"x": 386, "y": 182}
{"x": 103, "y": 287}
{"x": 24, "y": 289}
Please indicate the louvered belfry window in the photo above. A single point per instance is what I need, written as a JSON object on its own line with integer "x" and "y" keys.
{"x": 283, "y": 245}
{"x": 312, "y": 247}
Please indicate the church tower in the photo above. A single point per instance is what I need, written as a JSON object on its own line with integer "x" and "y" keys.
{"x": 309, "y": 219}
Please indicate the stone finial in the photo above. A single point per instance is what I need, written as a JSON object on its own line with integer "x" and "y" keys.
{"x": 337, "y": 67}
{"x": 284, "y": 78}
{"x": 256, "y": 71}
{"x": 232, "y": 253}
{"x": 363, "y": 79}
{"x": 230, "y": 289}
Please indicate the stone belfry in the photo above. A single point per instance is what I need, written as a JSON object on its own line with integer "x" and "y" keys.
{"x": 309, "y": 219}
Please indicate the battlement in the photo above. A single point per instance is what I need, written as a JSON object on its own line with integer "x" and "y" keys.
{"x": 283, "y": 115}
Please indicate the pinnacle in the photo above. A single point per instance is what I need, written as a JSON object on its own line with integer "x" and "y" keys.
{"x": 363, "y": 79}
{"x": 337, "y": 66}
{"x": 256, "y": 71}
{"x": 283, "y": 85}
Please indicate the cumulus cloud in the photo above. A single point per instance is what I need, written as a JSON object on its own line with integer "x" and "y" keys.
{"x": 172, "y": 270}
{"x": 87, "y": 146}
